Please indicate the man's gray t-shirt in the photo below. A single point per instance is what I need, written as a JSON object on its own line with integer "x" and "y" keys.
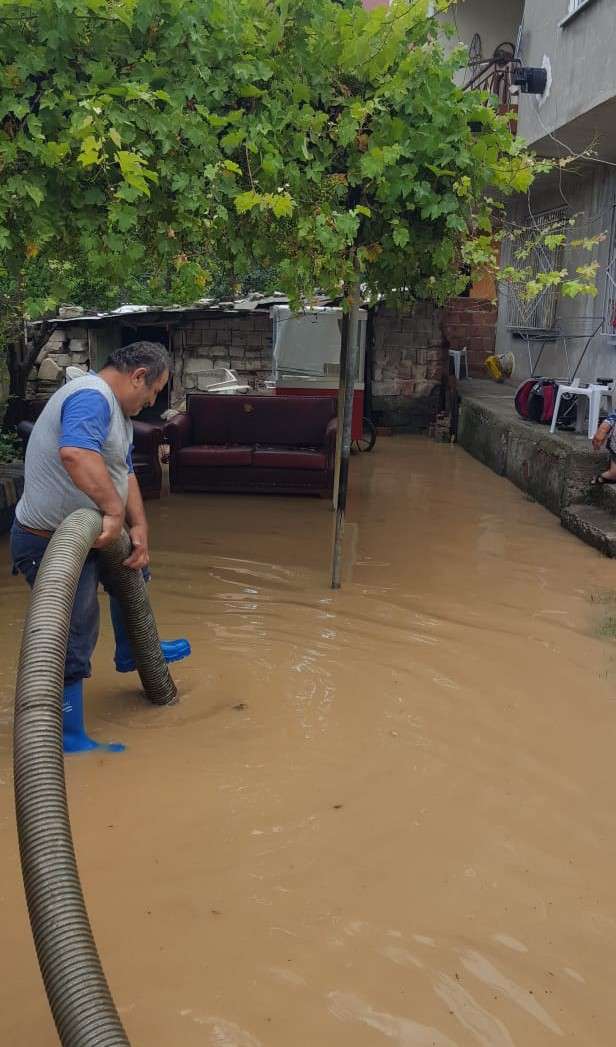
{"x": 96, "y": 423}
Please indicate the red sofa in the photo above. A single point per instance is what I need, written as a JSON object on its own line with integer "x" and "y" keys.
{"x": 246, "y": 442}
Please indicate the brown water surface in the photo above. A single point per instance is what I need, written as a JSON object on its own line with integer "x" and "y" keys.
{"x": 383, "y": 816}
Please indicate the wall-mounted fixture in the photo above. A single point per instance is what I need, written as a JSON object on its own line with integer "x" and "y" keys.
{"x": 532, "y": 80}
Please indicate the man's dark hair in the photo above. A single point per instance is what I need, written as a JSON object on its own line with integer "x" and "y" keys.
{"x": 151, "y": 355}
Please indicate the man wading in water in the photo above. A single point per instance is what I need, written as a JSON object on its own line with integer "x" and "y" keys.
{"x": 79, "y": 456}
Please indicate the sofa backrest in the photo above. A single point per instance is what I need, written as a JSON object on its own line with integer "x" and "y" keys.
{"x": 296, "y": 421}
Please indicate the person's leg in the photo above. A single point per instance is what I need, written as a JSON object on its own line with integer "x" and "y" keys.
{"x": 172, "y": 650}
{"x": 27, "y": 551}
{"x": 83, "y": 634}
{"x": 608, "y": 476}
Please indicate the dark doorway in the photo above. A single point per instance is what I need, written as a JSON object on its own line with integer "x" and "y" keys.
{"x": 150, "y": 333}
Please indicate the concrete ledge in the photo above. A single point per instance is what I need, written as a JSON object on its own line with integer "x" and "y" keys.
{"x": 483, "y": 434}
{"x": 595, "y": 526}
{"x": 554, "y": 469}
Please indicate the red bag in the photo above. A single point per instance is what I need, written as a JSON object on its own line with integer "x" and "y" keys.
{"x": 535, "y": 400}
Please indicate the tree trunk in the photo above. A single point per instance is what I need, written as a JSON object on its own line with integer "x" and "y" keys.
{"x": 20, "y": 359}
{"x": 342, "y": 380}
{"x": 343, "y": 450}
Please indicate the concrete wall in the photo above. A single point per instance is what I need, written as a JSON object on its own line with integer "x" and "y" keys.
{"x": 591, "y": 195}
{"x": 580, "y": 56}
{"x": 408, "y": 361}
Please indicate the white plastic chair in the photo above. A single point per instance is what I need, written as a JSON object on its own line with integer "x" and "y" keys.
{"x": 609, "y": 392}
{"x": 458, "y": 355}
{"x": 591, "y": 396}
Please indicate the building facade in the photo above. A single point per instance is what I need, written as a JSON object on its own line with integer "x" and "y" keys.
{"x": 573, "y": 41}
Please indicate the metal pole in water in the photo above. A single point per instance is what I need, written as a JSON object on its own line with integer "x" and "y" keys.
{"x": 344, "y": 432}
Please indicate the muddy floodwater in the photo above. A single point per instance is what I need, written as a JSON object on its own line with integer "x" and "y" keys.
{"x": 383, "y": 816}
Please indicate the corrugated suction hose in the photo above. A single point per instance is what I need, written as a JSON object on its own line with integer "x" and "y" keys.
{"x": 80, "y": 1000}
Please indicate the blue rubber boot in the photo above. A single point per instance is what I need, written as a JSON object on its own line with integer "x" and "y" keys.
{"x": 74, "y": 735}
{"x": 172, "y": 650}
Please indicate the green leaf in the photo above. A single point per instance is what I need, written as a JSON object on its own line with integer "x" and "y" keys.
{"x": 250, "y": 91}
{"x": 372, "y": 163}
{"x": 134, "y": 171}
{"x": 34, "y": 192}
{"x": 281, "y": 204}
{"x": 230, "y": 141}
{"x": 247, "y": 201}
{"x": 401, "y": 236}
{"x": 90, "y": 152}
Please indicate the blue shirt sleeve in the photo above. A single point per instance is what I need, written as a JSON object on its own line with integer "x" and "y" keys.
{"x": 85, "y": 420}
{"x": 611, "y": 418}
{"x": 129, "y": 459}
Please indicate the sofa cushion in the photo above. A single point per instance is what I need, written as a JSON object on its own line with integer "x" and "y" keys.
{"x": 288, "y": 458}
{"x": 210, "y": 456}
{"x": 210, "y": 418}
{"x": 297, "y": 421}
{"x": 287, "y": 421}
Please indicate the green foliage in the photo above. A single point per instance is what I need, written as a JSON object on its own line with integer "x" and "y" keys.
{"x": 10, "y": 447}
{"x": 149, "y": 146}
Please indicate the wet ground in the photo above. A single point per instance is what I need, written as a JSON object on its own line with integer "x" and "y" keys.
{"x": 384, "y": 816}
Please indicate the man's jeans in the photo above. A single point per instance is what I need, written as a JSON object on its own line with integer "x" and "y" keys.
{"x": 27, "y": 551}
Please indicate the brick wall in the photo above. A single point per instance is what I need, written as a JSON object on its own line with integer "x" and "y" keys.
{"x": 242, "y": 343}
{"x": 408, "y": 362}
{"x": 471, "y": 322}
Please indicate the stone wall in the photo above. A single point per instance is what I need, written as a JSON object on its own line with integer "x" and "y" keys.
{"x": 67, "y": 346}
{"x": 408, "y": 362}
{"x": 242, "y": 343}
{"x": 471, "y": 322}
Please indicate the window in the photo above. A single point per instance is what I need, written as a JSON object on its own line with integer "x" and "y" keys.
{"x": 537, "y": 314}
{"x": 609, "y": 303}
{"x": 575, "y": 6}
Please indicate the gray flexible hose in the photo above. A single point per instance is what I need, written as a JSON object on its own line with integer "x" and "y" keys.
{"x": 80, "y": 1000}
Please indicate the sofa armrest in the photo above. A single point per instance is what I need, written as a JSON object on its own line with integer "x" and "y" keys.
{"x": 146, "y": 437}
{"x": 178, "y": 432}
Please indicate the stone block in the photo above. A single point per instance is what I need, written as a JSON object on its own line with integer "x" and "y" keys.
{"x": 54, "y": 344}
{"x": 192, "y": 339}
{"x": 50, "y": 371}
{"x": 76, "y": 331}
{"x": 194, "y": 364}
{"x": 222, "y": 335}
